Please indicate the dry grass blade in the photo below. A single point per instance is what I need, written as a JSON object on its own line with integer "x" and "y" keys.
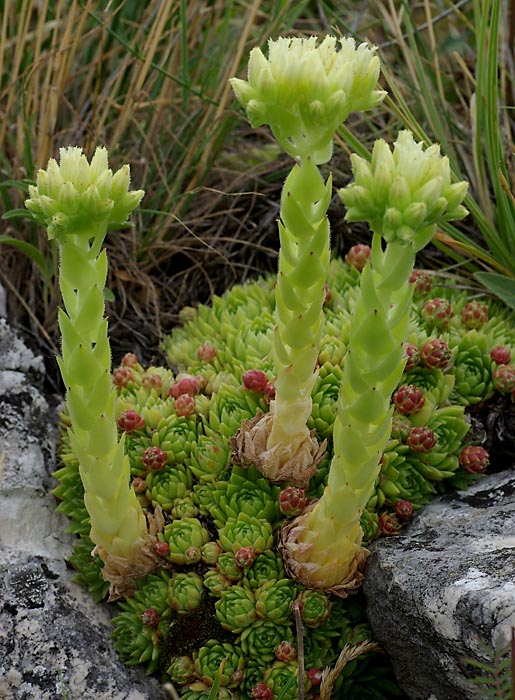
{"x": 348, "y": 653}
{"x": 169, "y": 688}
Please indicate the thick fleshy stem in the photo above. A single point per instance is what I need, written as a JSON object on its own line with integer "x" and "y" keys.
{"x": 303, "y": 91}
{"x": 280, "y": 443}
{"x": 77, "y": 201}
{"x": 402, "y": 194}
{"x": 322, "y": 548}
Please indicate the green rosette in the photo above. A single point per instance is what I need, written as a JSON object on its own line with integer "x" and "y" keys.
{"x": 253, "y": 674}
{"x": 152, "y": 592}
{"x": 154, "y": 409}
{"x": 247, "y": 491}
{"x": 315, "y": 607}
{"x": 184, "y": 507}
{"x": 176, "y": 435}
{"x": 472, "y": 370}
{"x": 210, "y": 552}
{"x": 89, "y": 568}
{"x": 208, "y": 663}
{"x": 246, "y": 531}
{"x": 210, "y": 458}
{"x": 228, "y": 566}
{"x": 399, "y": 479}
{"x": 437, "y": 387}
{"x": 202, "y": 497}
{"x": 236, "y": 608}
{"x": 267, "y": 566}
{"x": 370, "y": 525}
{"x": 166, "y": 486}
{"x": 185, "y": 592}
{"x": 181, "y": 670}
{"x": 282, "y": 679}
{"x": 259, "y": 640}
{"x": 274, "y": 599}
{"x": 325, "y": 396}
{"x": 182, "y": 534}
{"x": 216, "y": 582}
{"x": 230, "y": 405}
{"x": 450, "y": 427}
{"x": 136, "y": 642}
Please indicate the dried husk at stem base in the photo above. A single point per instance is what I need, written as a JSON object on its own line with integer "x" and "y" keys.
{"x": 283, "y": 462}
{"x": 123, "y": 572}
{"x": 303, "y": 571}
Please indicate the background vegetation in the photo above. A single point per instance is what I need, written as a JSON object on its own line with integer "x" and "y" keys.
{"x": 150, "y": 82}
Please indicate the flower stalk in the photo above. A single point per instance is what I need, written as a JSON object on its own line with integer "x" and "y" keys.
{"x": 77, "y": 202}
{"x": 303, "y": 91}
{"x": 402, "y": 194}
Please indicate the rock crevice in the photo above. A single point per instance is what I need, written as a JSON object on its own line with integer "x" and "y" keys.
{"x": 445, "y": 585}
{"x": 54, "y": 640}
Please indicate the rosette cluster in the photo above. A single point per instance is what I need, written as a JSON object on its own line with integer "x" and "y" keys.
{"x": 223, "y": 588}
{"x": 260, "y": 533}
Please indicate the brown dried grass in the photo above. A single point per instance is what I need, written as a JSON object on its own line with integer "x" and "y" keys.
{"x": 156, "y": 93}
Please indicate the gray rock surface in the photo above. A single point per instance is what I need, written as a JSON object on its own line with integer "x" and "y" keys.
{"x": 54, "y": 641}
{"x": 445, "y": 583}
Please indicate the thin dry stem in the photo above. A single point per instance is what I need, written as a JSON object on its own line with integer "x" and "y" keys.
{"x": 299, "y": 630}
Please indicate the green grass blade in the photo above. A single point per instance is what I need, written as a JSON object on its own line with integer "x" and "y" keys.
{"x": 503, "y": 287}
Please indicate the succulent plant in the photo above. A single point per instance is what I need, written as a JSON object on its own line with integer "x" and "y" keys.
{"x": 274, "y": 599}
{"x": 77, "y": 201}
{"x": 473, "y": 369}
{"x": 236, "y": 608}
{"x": 223, "y": 607}
{"x": 283, "y": 679}
{"x": 181, "y": 535}
{"x": 246, "y": 491}
{"x": 245, "y": 531}
{"x": 404, "y": 476}
{"x": 185, "y": 592}
{"x": 315, "y": 607}
{"x": 262, "y": 637}
{"x": 166, "y": 486}
{"x": 209, "y": 667}
{"x": 144, "y": 622}
{"x": 181, "y": 670}
{"x": 267, "y": 567}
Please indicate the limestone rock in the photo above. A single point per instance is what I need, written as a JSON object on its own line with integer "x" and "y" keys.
{"x": 52, "y": 635}
{"x": 446, "y": 582}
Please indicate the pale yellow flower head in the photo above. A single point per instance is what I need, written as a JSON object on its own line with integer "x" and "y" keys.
{"x": 404, "y": 192}
{"x": 305, "y": 89}
{"x": 76, "y": 197}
